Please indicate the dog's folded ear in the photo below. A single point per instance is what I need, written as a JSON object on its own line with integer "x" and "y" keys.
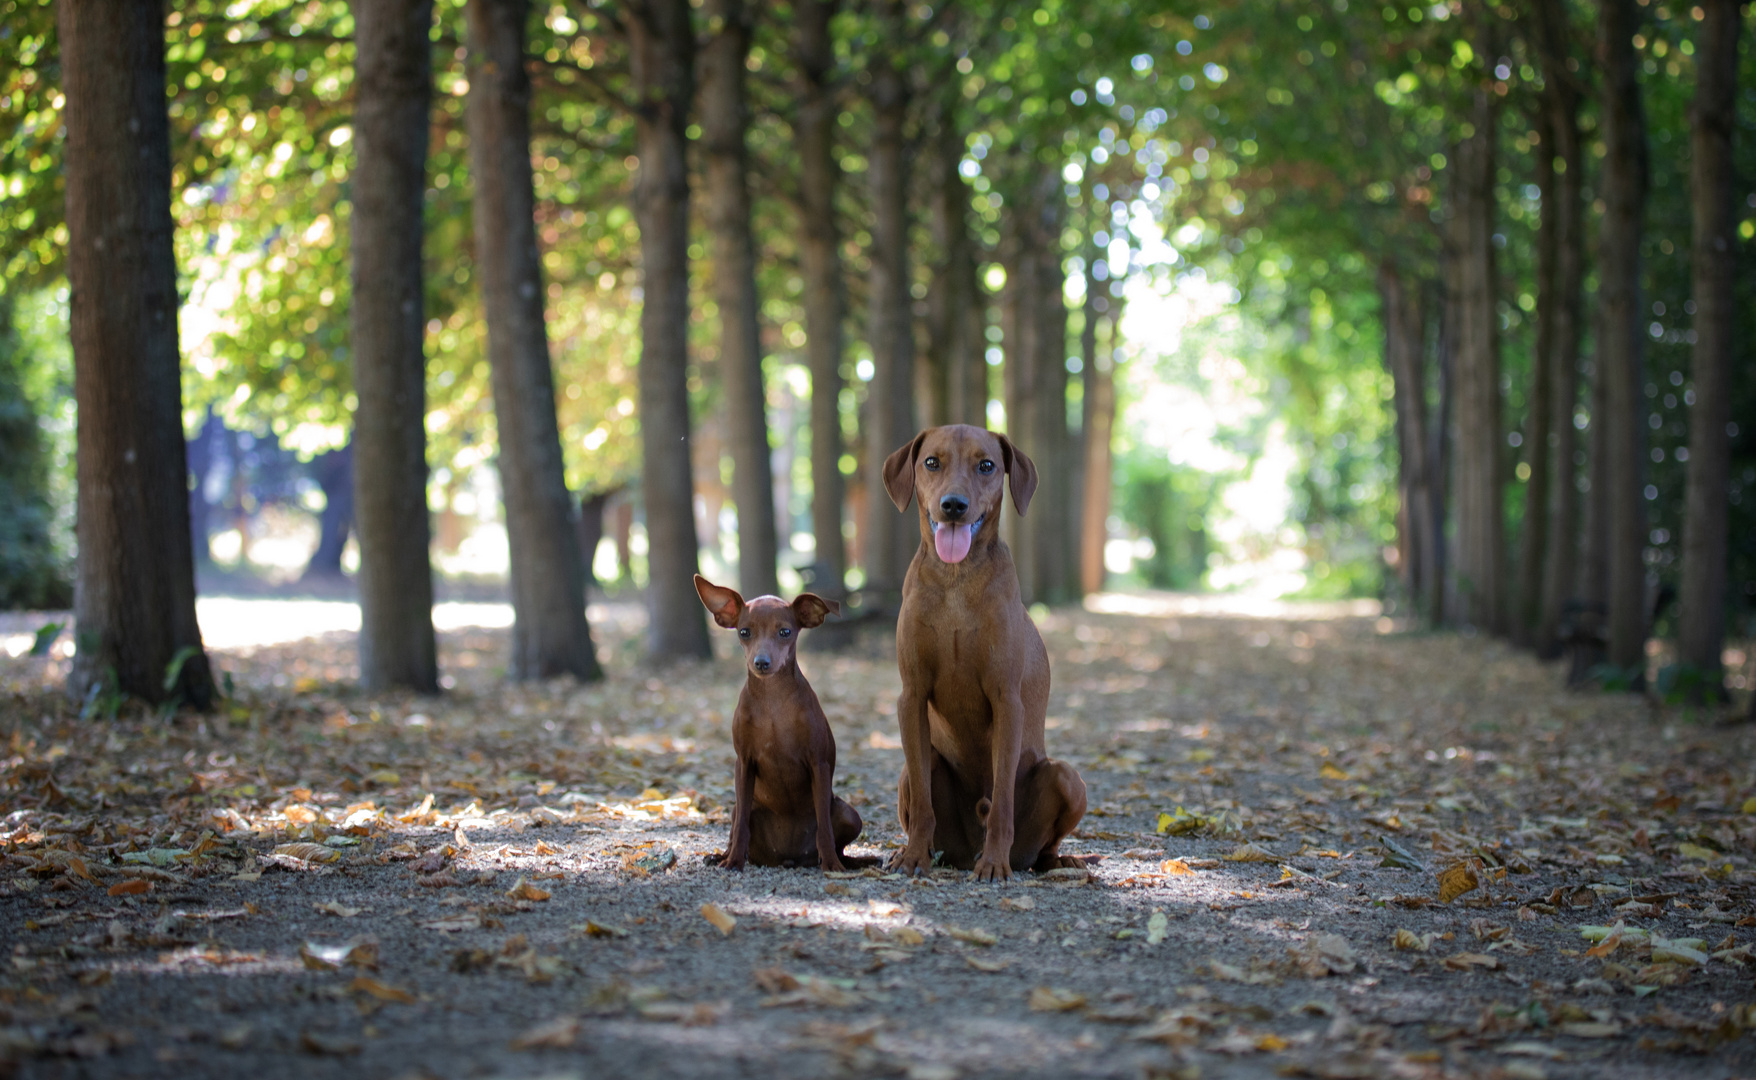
{"x": 899, "y": 472}
{"x": 722, "y": 603}
{"x": 1021, "y": 474}
{"x": 811, "y": 609}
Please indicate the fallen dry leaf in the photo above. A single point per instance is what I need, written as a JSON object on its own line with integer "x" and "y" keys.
{"x": 1455, "y": 880}
{"x": 338, "y": 909}
{"x": 1050, "y": 999}
{"x": 1158, "y": 927}
{"x": 524, "y": 890}
{"x": 557, "y": 1034}
{"x": 363, "y": 984}
{"x": 307, "y": 852}
{"x": 721, "y": 921}
{"x": 131, "y": 887}
{"x": 1250, "y": 853}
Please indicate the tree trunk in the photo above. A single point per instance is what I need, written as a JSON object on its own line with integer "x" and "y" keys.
{"x": 1480, "y": 564}
{"x": 1441, "y": 599}
{"x": 725, "y": 120}
{"x": 1098, "y": 421}
{"x": 1534, "y": 542}
{"x": 1583, "y": 625}
{"x": 1563, "y": 216}
{"x": 1053, "y": 546}
{"x": 549, "y": 632}
{"x": 953, "y": 376}
{"x": 1701, "y": 614}
{"x": 1404, "y": 354}
{"x": 334, "y": 473}
{"x": 891, "y": 538}
{"x": 1623, "y": 189}
{"x": 393, "y": 88}
{"x": 1019, "y": 331}
{"x": 662, "y": 40}
{"x": 825, "y": 291}
{"x": 134, "y": 597}
{"x": 590, "y": 528}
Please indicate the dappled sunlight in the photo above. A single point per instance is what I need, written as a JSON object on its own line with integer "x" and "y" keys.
{"x": 1281, "y": 795}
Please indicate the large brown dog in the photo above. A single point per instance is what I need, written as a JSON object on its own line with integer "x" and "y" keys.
{"x": 975, "y": 674}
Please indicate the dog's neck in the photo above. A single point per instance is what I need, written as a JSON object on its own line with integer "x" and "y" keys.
{"x": 785, "y": 681}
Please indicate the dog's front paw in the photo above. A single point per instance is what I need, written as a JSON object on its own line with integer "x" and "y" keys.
{"x": 910, "y": 861}
{"x": 732, "y": 862}
{"x": 993, "y": 869}
{"x": 832, "y": 865}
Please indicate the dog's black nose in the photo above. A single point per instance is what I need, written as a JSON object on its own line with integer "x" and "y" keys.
{"x": 953, "y": 506}
{"x": 761, "y": 664}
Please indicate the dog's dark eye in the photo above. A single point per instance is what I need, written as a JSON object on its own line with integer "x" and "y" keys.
{"x": 985, "y": 467}
{"x": 932, "y": 464}
{"x": 743, "y": 631}
{"x": 786, "y": 631}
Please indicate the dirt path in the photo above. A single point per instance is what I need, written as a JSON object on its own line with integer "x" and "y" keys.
{"x": 508, "y": 881}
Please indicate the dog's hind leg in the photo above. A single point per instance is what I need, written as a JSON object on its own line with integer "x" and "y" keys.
{"x": 847, "y": 829}
{"x": 1051, "y": 802}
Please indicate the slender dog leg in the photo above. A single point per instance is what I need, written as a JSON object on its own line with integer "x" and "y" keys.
{"x": 995, "y": 862}
{"x": 744, "y": 799}
{"x": 827, "y": 856}
{"x": 916, "y": 789}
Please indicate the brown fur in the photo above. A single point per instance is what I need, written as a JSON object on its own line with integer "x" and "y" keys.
{"x": 975, "y": 675}
{"x": 785, "y": 813}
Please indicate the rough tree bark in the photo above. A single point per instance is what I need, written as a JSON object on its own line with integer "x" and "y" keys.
{"x": 1563, "y": 215}
{"x": 891, "y": 537}
{"x": 1701, "y": 613}
{"x": 393, "y": 90}
{"x": 1404, "y": 353}
{"x": 1623, "y": 189}
{"x": 549, "y": 632}
{"x": 134, "y": 596}
{"x": 1480, "y": 566}
{"x": 725, "y": 120}
{"x": 662, "y": 40}
{"x": 825, "y": 290}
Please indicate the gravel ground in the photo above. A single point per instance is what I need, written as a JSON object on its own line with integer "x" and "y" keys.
{"x": 509, "y": 881}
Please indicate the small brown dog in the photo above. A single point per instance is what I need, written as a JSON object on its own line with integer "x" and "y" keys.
{"x": 977, "y": 783}
{"x": 785, "y": 813}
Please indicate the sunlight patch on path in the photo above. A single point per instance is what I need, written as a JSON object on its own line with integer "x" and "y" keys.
{"x": 1166, "y": 604}
{"x": 236, "y": 623}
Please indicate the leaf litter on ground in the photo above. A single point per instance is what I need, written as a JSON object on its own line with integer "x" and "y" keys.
{"x": 1270, "y": 813}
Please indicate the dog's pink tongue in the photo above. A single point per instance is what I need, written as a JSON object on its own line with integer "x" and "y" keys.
{"x": 952, "y": 542}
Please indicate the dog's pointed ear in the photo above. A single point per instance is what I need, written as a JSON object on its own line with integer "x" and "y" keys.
{"x": 899, "y": 472}
{"x": 811, "y": 609}
{"x": 1021, "y": 474}
{"x": 722, "y": 603}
